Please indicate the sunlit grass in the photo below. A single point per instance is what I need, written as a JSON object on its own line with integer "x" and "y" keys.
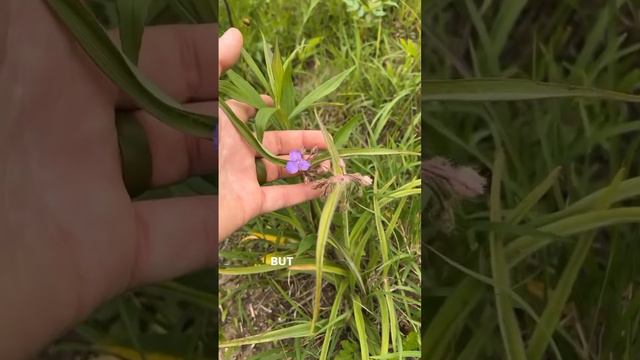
{"x": 373, "y": 231}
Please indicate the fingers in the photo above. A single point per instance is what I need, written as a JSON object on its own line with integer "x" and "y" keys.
{"x": 180, "y": 60}
{"x": 174, "y": 155}
{"x": 284, "y": 141}
{"x": 275, "y": 172}
{"x": 175, "y": 236}
{"x": 230, "y": 47}
{"x": 282, "y": 196}
{"x": 243, "y": 111}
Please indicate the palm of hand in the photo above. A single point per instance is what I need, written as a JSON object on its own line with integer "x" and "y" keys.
{"x": 71, "y": 236}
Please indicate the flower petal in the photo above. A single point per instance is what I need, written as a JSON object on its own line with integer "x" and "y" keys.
{"x": 295, "y": 155}
{"x": 292, "y": 167}
{"x": 304, "y": 165}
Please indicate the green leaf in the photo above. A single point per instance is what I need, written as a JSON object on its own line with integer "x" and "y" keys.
{"x": 511, "y": 90}
{"x": 342, "y": 135}
{"x": 321, "y": 91}
{"x": 129, "y": 314}
{"x": 360, "y": 326}
{"x": 331, "y": 147}
{"x": 384, "y": 251}
{"x": 628, "y": 189}
{"x": 262, "y": 120}
{"x": 278, "y": 71}
{"x": 131, "y": 21}
{"x": 186, "y": 293}
{"x": 95, "y": 41}
{"x": 504, "y": 22}
{"x": 297, "y": 265}
{"x": 324, "y": 228}
{"x": 288, "y": 93}
{"x": 256, "y": 70}
{"x": 356, "y": 152}
{"x": 290, "y": 332}
{"x": 524, "y": 246}
{"x": 557, "y": 300}
{"x": 533, "y": 197}
{"x": 507, "y": 320}
{"x": 332, "y": 317}
{"x": 249, "y": 95}
{"x": 268, "y": 60}
{"x": 246, "y": 134}
{"x": 450, "y": 317}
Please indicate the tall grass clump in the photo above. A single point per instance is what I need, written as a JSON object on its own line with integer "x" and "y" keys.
{"x": 353, "y": 289}
{"x": 541, "y": 97}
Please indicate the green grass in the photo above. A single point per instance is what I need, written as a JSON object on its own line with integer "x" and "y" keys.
{"x": 359, "y": 76}
{"x": 543, "y": 266}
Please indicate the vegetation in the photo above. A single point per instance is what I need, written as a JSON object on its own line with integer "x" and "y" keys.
{"x": 539, "y": 97}
{"x": 353, "y": 290}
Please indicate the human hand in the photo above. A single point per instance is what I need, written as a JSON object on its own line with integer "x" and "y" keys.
{"x": 70, "y": 236}
{"x": 241, "y": 196}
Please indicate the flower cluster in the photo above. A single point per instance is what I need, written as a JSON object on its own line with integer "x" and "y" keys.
{"x": 297, "y": 163}
{"x": 301, "y": 164}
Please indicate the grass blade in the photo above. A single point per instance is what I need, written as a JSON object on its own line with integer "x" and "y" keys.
{"x": 509, "y": 329}
{"x": 384, "y": 324}
{"x": 384, "y": 250}
{"x": 451, "y": 315}
{"x": 131, "y": 21}
{"x": 342, "y": 135}
{"x": 524, "y": 246}
{"x": 297, "y": 265}
{"x": 507, "y": 16}
{"x": 262, "y": 120}
{"x": 332, "y": 317}
{"x": 331, "y": 148}
{"x": 511, "y": 90}
{"x": 352, "y": 152}
{"x": 556, "y": 303}
{"x": 360, "y": 327}
{"x": 249, "y": 94}
{"x": 294, "y": 331}
{"x": 248, "y": 136}
{"x": 256, "y": 70}
{"x": 321, "y": 91}
{"x": 324, "y": 228}
{"x": 533, "y": 197}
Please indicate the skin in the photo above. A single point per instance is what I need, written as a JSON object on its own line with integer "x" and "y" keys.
{"x": 70, "y": 237}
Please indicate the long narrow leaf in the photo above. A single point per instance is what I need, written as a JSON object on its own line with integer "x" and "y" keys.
{"x": 294, "y": 331}
{"x": 321, "y": 91}
{"x": 511, "y": 90}
{"x": 248, "y": 136}
{"x": 553, "y": 311}
{"x": 324, "y": 228}
{"x": 95, "y": 41}
{"x": 131, "y": 21}
{"x": 360, "y": 327}
{"x": 509, "y": 329}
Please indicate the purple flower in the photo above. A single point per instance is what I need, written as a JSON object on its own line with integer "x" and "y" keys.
{"x": 296, "y": 162}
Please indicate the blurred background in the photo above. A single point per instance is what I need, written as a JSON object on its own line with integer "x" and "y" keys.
{"x": 566, "y": 249}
